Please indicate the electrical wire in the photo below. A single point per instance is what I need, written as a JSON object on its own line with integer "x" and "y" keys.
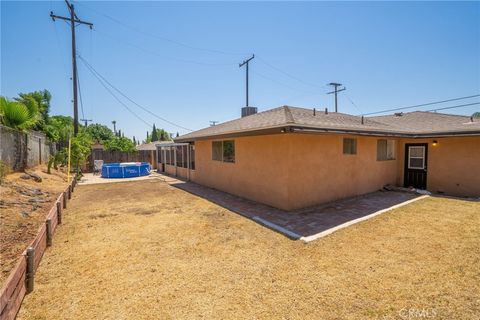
{"x": 279, "y": 82}
{"x": 161, "y": 55}
{"x": 178, "y": 43}
{"x": 131, "y": 100}
{"x": 288, "y": 74}
{"x": 423, "y": 105}
{"x": 353, "y": 103}
{"x": 114, "y": 96}
{"x": 453, "y": 107}
{"x": 80, "y": 95}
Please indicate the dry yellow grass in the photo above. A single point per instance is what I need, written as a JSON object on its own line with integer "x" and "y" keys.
{"x": 145, "y": 250}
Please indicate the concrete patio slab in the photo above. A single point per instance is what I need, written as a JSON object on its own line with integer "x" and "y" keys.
{"x": 305, "y": 224}
{"x": 90, "y": 178}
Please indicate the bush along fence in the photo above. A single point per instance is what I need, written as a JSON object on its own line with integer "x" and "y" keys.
{"x": 21, "y": 279}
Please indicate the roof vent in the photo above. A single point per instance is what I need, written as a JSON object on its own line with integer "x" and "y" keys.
{"x": 398, "y": 114}
{"x": 247, "y": 111}
{"x": 326, "y": 110}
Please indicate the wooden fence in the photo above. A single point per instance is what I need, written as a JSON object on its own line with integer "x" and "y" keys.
{"x": 21, "y": 279}
{"x": 113, "y": 156}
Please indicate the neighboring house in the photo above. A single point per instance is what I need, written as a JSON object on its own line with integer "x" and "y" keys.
{"x": 150, "y": 148}
{"x": 292, "y": 158}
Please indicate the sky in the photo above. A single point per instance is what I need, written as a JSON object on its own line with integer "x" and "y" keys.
{"x": 180, "y": 60}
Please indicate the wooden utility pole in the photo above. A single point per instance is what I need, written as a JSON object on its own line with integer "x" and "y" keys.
{"x": 336, "y": 85}
{"x": 73, "y": 19}
{"x": 246, "y": 69}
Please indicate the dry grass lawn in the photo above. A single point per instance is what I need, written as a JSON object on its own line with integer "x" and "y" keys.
{"x": 145, "y": 250}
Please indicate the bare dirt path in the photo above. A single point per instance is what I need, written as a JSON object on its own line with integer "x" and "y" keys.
{"x": 145, "y": 250}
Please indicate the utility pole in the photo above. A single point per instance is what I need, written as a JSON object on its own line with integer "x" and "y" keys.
{"x": 73, "y": 19}
{"x": 241, "y": 65}
{"x": 86, "y": 121}
{"x": 115, "y": 128}
{"x": 336, "y": 85}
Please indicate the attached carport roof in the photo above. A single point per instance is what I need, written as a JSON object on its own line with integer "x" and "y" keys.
{"x": 293, "y": 119}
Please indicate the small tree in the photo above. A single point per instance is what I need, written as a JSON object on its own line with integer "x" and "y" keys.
{"x": 19, "y": 115}
{"x": 121, "y": 144}
{"x": 99, "y": 132}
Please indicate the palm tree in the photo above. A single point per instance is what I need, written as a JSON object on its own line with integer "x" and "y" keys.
{"x": 18, "y": 115}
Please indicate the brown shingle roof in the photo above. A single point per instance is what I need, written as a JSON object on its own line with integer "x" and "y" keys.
{"x": 409, "y": 124}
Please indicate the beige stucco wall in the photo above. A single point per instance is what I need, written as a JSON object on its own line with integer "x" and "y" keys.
{"x": 260, "y": 171}
{"x": 320, "y": 172}
{"x": 453, "y": 165}
{"x": 293, "y": 171}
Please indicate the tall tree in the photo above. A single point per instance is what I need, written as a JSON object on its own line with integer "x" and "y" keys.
{"x": 154, "y": 133}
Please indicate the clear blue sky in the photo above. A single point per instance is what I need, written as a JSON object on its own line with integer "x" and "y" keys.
{"x": 386, "y": 54}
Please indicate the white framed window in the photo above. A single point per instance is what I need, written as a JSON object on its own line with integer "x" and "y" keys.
{"x": 386, "y": 149}
{"x": 416, "y": 157}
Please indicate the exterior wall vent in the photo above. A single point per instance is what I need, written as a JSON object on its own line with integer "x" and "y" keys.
{"x": 247, "y": 111}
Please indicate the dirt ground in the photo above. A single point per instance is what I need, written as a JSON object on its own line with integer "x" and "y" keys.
{"x": 24, "y": 204}
{"x": 145, "y": 250}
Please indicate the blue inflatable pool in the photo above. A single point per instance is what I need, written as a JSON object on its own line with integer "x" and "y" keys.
{"x": 125, "y": 170}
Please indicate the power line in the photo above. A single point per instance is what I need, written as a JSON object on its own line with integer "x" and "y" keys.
{"x": 279, "y": 82}
{"x": 289, "y": 75}
{"x": 129, "y": 99}
{"x": 423, "y": 105}
{"x": 80, "y": 95}
{"x": 178, "y": 43}
{"x": 453, "y": 107}
{"x": 161, "y": 55}
{"x": 353, "y": 103}
{"x": 113, "y": 95}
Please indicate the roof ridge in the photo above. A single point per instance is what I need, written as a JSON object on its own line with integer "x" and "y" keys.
{"x": 288, "y": 114}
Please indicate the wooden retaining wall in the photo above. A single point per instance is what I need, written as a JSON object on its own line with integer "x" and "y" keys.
{"x": 20, "y": 281}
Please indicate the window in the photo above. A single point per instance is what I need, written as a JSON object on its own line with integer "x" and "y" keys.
{"x": 185, "y": 156}
{"x": 416, "y": 157}
{"x": 229, "y": 151}
{"x": 192, "y": 157}
{"x": 223, "y": 151}
{"x": 385, "y": 149}
{"x": 172, "y": 156}
{"x": 217, "y": 150}
{"x": 349, "y": 146}
{"x": 167, "y": 154}
{"x": 179, "y": 154}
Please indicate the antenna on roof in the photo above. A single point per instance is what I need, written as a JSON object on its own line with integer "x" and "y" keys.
{"x": 213, "y": 123}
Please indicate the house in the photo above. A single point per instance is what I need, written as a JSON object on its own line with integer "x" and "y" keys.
{"x": 148, "y": 152}
{"x": 292, "y": 158}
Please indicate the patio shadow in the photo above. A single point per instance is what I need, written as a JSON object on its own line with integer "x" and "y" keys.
{"x": 299, "y": 223}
